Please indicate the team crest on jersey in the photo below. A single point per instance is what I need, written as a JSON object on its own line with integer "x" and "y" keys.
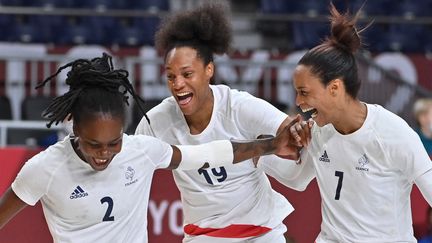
{"x": 363, "y": 161}
{"x": 324, "y": 157}
{"x": 129, "y": 175}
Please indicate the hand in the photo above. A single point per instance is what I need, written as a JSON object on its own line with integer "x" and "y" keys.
{"x": 302, "y": 132}
{"x": 287, "y": 143}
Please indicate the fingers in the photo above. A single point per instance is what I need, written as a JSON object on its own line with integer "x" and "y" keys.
{"x": 294, "y": 132}
{"x": 301, "y": 132}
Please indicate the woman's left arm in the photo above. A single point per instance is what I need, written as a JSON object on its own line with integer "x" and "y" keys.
{"x": 424, "y": 183}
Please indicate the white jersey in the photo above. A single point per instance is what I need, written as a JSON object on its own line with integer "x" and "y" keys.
{"x": 225, "y": 199}
{"x": 365, "y": 178}
{"x": 84, "y": 205}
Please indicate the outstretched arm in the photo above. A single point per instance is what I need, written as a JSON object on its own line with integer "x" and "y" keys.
{"x": 10, "y": 205}
{"x": 224, "y": 152}
{"x": 289, "y": 173}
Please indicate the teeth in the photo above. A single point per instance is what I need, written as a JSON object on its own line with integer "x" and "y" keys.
{"x": 101, "y": 160}
{"x": 183, "y": 93}
{"x": 307, "y": 109}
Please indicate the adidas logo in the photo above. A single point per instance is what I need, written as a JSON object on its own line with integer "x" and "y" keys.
{"x": 78, "y": 193}
{"x": 324, "y": 157}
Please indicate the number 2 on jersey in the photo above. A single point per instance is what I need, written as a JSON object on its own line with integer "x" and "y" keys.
{"x": 220, "y": 175}
{"x": 339, "y": 185}
{"x": 110, "y": 203}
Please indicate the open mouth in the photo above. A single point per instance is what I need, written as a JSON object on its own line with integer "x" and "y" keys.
{"x": 310, "y": 112}
{"x": 184, "y": 98}
{"x": 100, "y": 161}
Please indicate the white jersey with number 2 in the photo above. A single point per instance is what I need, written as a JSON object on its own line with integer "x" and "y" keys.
{"x": 88, "y": 206}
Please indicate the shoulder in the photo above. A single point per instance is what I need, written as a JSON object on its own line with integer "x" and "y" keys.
{"x": 167, "y": 107}
{"x": 234, "y": 99}
{"x": 140, "y": 142}
{"x": 387, "y": 124}
{"x": 162, "y": 117}
{"x": 48, "y": 161}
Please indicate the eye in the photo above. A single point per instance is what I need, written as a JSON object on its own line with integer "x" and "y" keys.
{"x": 302, "y": 92}
{"x": 114, "y": 144}
{"x": 187, "y": 74}
{"x": 170, "y": 78}
{"x": 94, "y": 145}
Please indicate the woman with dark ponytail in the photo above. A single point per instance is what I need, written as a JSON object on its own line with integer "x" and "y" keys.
{"x": 364, "y": 157}
{"x": 94, "y": 185}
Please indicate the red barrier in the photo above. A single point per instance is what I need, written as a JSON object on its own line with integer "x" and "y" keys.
{"x": 165, "y": 215}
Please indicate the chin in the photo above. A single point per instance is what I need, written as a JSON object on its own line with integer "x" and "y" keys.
{"x": 320, "y": 123}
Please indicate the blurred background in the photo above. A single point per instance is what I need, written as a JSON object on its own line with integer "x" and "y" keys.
{"x": 38, "y": 36}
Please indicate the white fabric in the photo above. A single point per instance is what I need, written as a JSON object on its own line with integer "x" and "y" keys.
{"x": 291, "y": 174}
{"x": 212, "y": 198}
{"x": 54, "y": 175}
{"x": 375, "y": 167}
{"x": 216, "y": 153}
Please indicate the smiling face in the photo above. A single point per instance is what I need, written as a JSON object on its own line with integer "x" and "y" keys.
{"x": 313, "y": 96}
{"x": 99, "y": 139}
{"x": 188, "y": 80}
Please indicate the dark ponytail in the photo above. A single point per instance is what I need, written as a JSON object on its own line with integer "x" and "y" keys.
{"x": 335, "y": 57}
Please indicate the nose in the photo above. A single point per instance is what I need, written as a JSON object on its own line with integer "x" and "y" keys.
{"x": 178, "y": 83}
{"x": 104, "y": 151}
{"x": 298, "y": 100}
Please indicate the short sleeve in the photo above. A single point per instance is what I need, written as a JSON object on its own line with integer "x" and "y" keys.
{"x": 144, "y": 128}
{"x": 412, "y": 158}
{"x": 158, "y": 151}
{"x": 32, "y": 181}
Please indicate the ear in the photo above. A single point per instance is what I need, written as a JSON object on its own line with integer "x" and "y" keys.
{"x": 209, "y": 70}
{"x": 335, "y": 86}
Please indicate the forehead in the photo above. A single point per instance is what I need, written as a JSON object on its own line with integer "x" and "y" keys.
{"x": 304, "y": 78}
{"x": 101, "y": 127}
{"x": 181, "y": 55}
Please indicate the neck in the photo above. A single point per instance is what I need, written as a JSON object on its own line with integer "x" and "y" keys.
{"x": 198, "y": 121}
{"x": 351, "y": 117}
{"x": 75, "y": 146}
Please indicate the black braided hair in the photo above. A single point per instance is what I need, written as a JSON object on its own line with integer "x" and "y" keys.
{"x": 94, "y": 86}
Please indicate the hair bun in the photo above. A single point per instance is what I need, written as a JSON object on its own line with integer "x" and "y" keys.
{"x": 343, "y": 30}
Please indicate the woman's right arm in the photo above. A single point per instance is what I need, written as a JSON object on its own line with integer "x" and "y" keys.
{"x": 10, "y": 205}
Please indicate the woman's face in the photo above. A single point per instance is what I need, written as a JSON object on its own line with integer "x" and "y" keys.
{"x": 99, "y": 139}
{"x": 313, "y": 96}
{"x": 189, "y": 79}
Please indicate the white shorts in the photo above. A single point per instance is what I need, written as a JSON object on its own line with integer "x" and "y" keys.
{"x": 276, "y": 235}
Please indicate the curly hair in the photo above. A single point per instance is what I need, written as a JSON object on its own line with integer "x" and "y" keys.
{"x": 206, "y": 29}
{"x": 335, "y": 56}
{"x": 94, "y": 86}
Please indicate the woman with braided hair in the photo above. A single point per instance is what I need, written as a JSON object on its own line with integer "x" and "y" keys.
{"x": 365, "y": 158}
{"x": 233, "y": 203}
{"x": 94, "y": 185}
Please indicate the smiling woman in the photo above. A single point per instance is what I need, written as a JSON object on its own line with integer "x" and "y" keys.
{"x": 365, "y": 158}
{"x": 232, "y": 203}
{"x": 94, "y": 185}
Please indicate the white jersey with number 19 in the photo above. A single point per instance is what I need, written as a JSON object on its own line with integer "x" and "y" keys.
{"x": 234, "y": 201}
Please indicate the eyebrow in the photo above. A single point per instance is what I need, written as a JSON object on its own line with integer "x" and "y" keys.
{"x": 112, "y": 141}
